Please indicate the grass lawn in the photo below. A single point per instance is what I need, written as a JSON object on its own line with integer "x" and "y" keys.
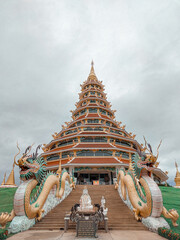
{"x": 6, "y": 201}
{"x": 171, "y": 199}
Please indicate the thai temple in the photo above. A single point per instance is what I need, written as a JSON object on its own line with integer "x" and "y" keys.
{"x": 93, "y": 146}
{"x": 92, "y": 149}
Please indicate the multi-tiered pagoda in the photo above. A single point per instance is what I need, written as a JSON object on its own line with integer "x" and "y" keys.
{"x": 93, "y": 146}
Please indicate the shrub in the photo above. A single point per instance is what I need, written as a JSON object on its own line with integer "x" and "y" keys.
{"x": 3, "y": 235}
{"x": 169, "y": 234}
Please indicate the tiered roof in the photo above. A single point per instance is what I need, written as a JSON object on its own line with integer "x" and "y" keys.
{"x": 93, "y": 137}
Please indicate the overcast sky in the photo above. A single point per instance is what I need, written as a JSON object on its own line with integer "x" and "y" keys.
{"x": 46, "y": 47}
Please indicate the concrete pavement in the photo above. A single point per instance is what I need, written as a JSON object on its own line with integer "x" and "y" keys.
{"x": 71, "y": 235}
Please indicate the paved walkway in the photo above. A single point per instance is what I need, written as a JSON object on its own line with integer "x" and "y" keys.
{"x": 70, "y": 235}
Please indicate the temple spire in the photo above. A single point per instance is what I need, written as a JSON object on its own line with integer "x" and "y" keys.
{"x": 10, "y": 180}
{"x": 92, "y": 69}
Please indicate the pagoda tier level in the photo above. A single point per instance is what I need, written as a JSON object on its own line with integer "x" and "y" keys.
{"x": 93, "y": 142}
{"x": 93, "y": 137}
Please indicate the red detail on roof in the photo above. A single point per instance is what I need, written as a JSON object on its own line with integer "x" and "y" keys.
{"x": 92, "y": 124}
{"x": 60, "y": 148}
{"x": 94, "y": 145}
{"x": 92, "y": 104}
{"x": 55, "y": 163}
{"x": 81, "y": 117}
{"x": 104, "y": 116}
{"x": 68, "y": 135}
{"x": 93, "y": 115}
{"x": 93, "y": 132}
{"x": 127, "y": 148}
{"x": 94, "y": 160}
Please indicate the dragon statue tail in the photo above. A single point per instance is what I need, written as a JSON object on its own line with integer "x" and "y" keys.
{"x": 6, "y": 217}
{"x": 144, "y": 195}
{"x": 32, "y": 207}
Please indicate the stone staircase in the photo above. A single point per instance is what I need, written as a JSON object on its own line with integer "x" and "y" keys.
{"x": 119, "y": 215}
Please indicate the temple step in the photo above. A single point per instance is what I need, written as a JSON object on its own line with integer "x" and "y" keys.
{"x": 119, "y": 215}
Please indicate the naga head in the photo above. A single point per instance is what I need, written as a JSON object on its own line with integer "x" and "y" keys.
{"x": 31, "y": 166}
{"x": 150, "y": 157}
{"x": 142, "y": 160}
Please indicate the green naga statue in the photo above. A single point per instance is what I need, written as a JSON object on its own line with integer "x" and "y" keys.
{"x": 35, "y": 177}
{"x": 138, "y": 185}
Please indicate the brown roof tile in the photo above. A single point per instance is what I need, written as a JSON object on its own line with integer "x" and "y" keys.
{"x": 93, "y": 132}
{"x": 61, "y": 148}
{"x": 94, "y": 145}
{"x": 104, "y": 116}
{"x": 94, "y": 160}
{"x": 93, "y": 115}
{"x": 54, "y": 163}
{"x": 81, "y": 117}
{"x": 92, "y": 104}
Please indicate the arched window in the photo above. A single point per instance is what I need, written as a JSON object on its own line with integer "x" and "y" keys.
{"x": 85, "y": 153}
{"x": 86, "y": 139}
{"x": 103, "y": 153}
{"x": 65, "y": 154}
{"x": 92, "y": 110}
{"x": 88, "y": 129}
{"x": 76, "y": 115}
{"x": 103, "y": 111}
{"x": 83, "y": 111}
{"x": 124, "y": 154}
{"x": 126, "y": 143}
{"x": 52, "y": 157}
{"x": 108, "y": 123}
{"x": 100, "y": 139}
{"x": 64, "y": 143}
{"x": 98, "y": 129}
{"x": 53, "y": 146}
{"x": 78, "y": 123}
{"x": 93, "y": 120}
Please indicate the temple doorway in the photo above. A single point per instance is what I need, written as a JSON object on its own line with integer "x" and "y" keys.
{"x": 94, "y": 179}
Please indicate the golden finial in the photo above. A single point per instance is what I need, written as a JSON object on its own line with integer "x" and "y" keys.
{"x": 176, "y": 166}
{"x": 92, "y": 68}
{"x": 10, "y": 180}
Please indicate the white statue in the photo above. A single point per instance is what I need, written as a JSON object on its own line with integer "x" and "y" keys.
{"x": 85, "y": 201}
{"x": 105, "y": 210}
{"x": 103, "y": 201}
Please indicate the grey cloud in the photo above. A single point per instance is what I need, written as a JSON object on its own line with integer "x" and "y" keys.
{"x": 46, "y": 49}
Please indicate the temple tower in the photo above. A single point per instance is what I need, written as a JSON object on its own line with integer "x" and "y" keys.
{"x": 93, "y": 146}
